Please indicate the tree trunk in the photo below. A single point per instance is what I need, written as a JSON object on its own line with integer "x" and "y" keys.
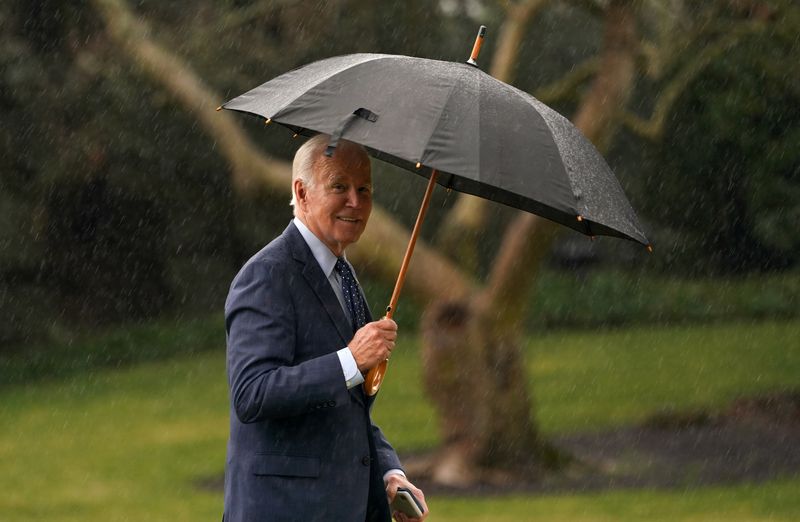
{"x": 472, "y": 348}
{"x": 472, "y": 337}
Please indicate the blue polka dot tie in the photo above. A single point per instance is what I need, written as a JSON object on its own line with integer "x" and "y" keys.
{"x": 352, "y": 294}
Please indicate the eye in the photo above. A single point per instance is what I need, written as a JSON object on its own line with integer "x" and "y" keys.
{"x": 365, "y": 190}
{"x": 338, "y": 187}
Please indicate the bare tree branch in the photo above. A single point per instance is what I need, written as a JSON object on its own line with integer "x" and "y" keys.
{"x": 653, "y": 128}
{"x": 613, "y": 83}
{"x": 249, "y": 166}
{"x": 566, "y": 87}
{"x": 252, "y": 170}
{"x": 510, "y": 36}
{"x": 593, "y": 7}
{"x": 243, "y": 16}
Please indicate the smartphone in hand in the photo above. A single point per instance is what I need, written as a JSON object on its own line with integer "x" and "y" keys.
{"x": 405, "y": 502}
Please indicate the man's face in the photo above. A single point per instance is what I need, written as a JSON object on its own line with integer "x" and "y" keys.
{"x": 337, "y": 205}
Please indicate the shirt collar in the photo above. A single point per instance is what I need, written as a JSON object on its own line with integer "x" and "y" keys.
{"x": 325, "y": 258}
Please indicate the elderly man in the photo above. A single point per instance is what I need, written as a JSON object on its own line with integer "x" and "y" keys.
{"x": 302, "y": 446}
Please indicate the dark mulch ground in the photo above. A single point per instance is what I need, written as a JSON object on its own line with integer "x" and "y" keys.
{"x": 754, "y": 440}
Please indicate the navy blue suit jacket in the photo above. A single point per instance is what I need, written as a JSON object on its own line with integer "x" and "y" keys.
{"x": 302, "y": 446}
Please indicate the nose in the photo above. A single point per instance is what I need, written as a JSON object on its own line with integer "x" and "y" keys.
{"x": 353, "y": 198}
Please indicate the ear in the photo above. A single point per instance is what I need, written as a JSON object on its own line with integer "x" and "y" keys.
{"x": 300, "y": 193}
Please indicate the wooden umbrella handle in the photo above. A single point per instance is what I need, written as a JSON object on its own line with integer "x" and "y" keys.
{"x": 374, "y": 378}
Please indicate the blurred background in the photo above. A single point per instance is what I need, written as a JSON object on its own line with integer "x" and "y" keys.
{"x": 127, "y": 205}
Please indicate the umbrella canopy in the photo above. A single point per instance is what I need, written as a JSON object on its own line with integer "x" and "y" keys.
{"x": 482, "y": 136}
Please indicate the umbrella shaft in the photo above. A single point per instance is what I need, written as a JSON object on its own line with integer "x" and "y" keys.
{"x": 374, "y": 377}
{"x": 401, "y": 277}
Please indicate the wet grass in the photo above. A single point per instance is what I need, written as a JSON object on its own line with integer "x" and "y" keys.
{"x": 73, "y": 354}
{"x": 593, "y": 381}
{"x": 609, "y": 298}
{"x": 774, "y": 501}
{"x": 131, "y": 443}
{"x": 604, "y": 298}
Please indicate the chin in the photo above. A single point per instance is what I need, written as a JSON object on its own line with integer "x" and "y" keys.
{"x": 350, "y": 235}
{"x": 349, "y": 240}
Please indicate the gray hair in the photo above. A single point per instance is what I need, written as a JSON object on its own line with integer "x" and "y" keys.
{"x": 304, "y": 158}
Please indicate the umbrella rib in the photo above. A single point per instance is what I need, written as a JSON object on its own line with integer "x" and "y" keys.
{"x": 436, "y": 120}
{"x": 539, "y": 109}
{"x": 367, "y": 58}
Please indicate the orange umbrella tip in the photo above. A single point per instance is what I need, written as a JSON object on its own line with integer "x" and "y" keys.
{"x": 580, "y": 218}
{"x": 419, "y": 164}
{"x": 267, "y": 121}
{"x": 219, "y": 108}
{"x": 650, "y": 248}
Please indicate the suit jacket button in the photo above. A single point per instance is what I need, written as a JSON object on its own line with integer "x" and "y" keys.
{"x": 365, "y": 461}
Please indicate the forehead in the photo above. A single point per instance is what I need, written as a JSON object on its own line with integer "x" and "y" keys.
{"x": 345, "y": 163}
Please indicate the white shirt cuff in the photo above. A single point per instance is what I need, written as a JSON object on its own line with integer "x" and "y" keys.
{"x": 394, "y": 471}
{"x": 352, "y": 376}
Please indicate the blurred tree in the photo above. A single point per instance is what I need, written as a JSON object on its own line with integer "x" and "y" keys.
{"x": 468, "y": 380}
{"x": 725, "y": 152}
{"x": 85, "y": 125}
{"x": 107, "y": 244}
{"x": 468, "y": 389}
{"x": 74, "y": 125}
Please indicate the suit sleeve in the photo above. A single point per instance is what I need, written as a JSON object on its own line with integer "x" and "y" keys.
{"x": 263, "y": 378}
{"x": 387, "y": 457}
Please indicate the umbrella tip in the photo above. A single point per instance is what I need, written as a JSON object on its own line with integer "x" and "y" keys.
{"x": 650, "y": 248}
{"x": 219, "y": 108}
{"x": 476, "y": 48}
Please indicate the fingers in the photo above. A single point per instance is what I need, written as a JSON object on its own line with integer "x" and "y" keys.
{"x": 391, "y": 490}
{"x": 395, "y": 481}
{"x": 386, "y": 325}
{"x": 388, "y": 329}
{"x": 421, "y": 497}
{"x": 373, "y": 343}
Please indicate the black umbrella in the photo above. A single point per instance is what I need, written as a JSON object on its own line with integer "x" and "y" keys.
{"x": 457, "y": 126}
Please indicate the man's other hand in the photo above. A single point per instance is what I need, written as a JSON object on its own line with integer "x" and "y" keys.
{"x": 397, "y": 480}
{"x": 373, "y": 343}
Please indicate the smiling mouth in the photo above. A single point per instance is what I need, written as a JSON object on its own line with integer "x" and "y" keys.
{"x": 348, "y": 220}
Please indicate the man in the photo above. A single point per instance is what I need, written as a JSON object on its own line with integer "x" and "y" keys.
{"x": 302, "y": 446}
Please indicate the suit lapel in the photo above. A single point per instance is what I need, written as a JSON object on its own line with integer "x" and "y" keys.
{"x": 322, "y": 288}
{"x": 319, "y": 283}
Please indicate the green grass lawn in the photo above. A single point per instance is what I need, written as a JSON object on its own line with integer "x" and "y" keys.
{"x": 130, "y": 443}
